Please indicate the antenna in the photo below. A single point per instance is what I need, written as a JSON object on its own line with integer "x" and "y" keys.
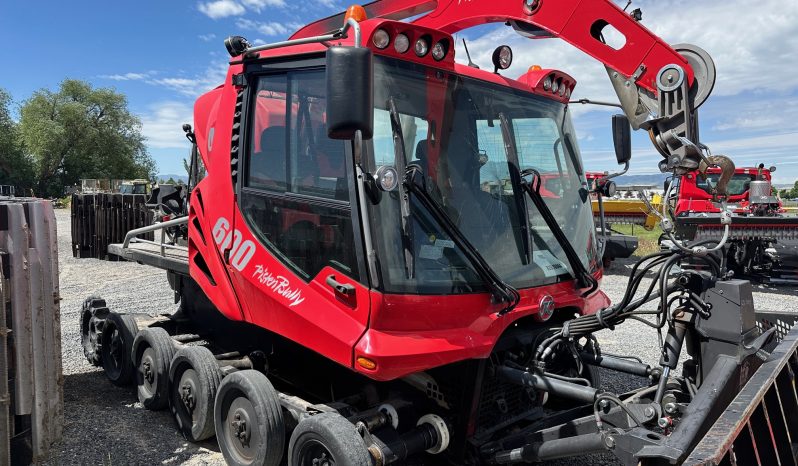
{"x": 470, "y": 63}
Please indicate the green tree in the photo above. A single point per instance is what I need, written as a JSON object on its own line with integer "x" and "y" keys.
{"x": 82, "y": 132}
{"x": 16, "y": 168}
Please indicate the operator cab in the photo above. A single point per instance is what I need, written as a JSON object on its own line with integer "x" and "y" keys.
{"x": 298, "y": 197}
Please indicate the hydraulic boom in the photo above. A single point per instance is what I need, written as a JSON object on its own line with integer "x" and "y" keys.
{"x": 660, "y": 87}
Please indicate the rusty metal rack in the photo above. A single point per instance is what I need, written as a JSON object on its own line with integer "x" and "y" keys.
{"x": 102, "y": 219}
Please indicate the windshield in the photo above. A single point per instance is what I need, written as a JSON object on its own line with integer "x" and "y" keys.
{"x": 451, "y": 128}
{"x": 738, "y": 184}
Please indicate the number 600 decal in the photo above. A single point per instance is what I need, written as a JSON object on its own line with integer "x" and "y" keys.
{"x": 240, "y": 251}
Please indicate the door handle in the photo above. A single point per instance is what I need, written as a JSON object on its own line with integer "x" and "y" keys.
{"x": 344, "y": 289}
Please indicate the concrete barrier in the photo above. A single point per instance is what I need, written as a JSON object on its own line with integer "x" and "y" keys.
{"x": 31, "y": 377}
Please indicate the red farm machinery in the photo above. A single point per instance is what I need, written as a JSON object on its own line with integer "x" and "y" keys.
{"x": 763, "y": 240}
{"x": 393, "y": 259}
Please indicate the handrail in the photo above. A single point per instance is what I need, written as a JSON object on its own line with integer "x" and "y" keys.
{"x": 131, "y": 235}
{"x": 335, "y": 35}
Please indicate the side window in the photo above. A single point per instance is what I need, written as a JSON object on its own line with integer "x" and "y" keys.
{"x": 267, "y": 155}
{"x": 296, "y": 194}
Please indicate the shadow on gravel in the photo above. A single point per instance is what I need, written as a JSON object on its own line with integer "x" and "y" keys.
{"x": 105, "y": 424}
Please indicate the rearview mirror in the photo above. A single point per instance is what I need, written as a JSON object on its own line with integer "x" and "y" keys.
{"x": 772, "y": 169}
{"x": 622, "y": 138}
{"x": 350, "y": 92}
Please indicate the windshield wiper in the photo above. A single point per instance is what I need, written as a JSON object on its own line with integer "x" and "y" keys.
{"x": 414, "y": 182}
{"x": 404, "y": 199}
{"x": 583, "y": 277}
{"x": 518, "y": 179}
{"x": 515, "y": 179}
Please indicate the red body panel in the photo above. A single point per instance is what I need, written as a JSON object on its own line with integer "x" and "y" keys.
{"x": 214, "y": 197}
{"x": 411, "y": 333}
{"x": 309, "y": 313}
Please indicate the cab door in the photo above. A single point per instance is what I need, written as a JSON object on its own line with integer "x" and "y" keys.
{"x": 303, "y": 277}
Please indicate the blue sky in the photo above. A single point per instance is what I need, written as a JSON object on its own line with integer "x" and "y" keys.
{"x": 162, "y": 54}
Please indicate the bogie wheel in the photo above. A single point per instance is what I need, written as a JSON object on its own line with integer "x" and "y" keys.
{"x": 327, "y": 439}
{"x": 118, "y": 333}
{"x": 153, "y": 350}
{"x": 249, "y": 420}
{"x": 92, "y": 316}
{"x": 194, "y": 378}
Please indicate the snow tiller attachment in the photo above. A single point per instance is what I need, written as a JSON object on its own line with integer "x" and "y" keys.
{"x": 763, "y": 239}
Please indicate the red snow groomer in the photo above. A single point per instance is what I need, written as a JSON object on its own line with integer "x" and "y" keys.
{"x": 763, "y": 240}
{"x": 392, "y": 258}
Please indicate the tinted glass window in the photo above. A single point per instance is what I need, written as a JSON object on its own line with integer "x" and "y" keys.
{"x": 296, "y": 194}
{"x": 738, "y": 184}
{"x": 466, "y": 167}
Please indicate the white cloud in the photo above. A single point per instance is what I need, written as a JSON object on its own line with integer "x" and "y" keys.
{"x": 747, "y": 123}
{"x": 757, "y": 113}
{"x": 258, "y": 5}
{"x": 207, "y": 37}
{"x": 193, "y": 86}
{"x": 126, "y": 76}
{"x": 162, "y": 125}
{"x": 270, "y": 28}
{"x": 221, "y": 9}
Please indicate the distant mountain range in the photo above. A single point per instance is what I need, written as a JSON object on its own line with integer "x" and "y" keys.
{"x": 654, "y": 180}
{"x": 165, "y": 177}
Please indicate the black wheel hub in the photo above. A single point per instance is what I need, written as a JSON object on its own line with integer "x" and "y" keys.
{"x": 188, "y": 391}
{"x": 314, "y": 453}
{"x": 149, "y": 376}
{"x": 239, "y": 427}
{"x": 241, "y": 432}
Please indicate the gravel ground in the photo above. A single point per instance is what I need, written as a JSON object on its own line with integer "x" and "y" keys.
{"x": 106, "y": 424}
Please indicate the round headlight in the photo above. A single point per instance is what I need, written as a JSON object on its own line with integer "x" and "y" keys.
{"x": 502, "y": 58}
{"x": 439, "y": 50}
{"x": 568, "y": 93}
{"x": 401, "y": 44}
{"x": 608, "y": 189}
{"x": 547, "y": 83}
{"x": 381, "y": 39}
{"x": 563, "y": 87}
{"x": 555, "y": 86}
{"x": 387, "y": 178}
{"x": 422, "y": 46}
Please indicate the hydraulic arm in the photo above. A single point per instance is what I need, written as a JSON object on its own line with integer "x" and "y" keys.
{"x": 659, "y": 86}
